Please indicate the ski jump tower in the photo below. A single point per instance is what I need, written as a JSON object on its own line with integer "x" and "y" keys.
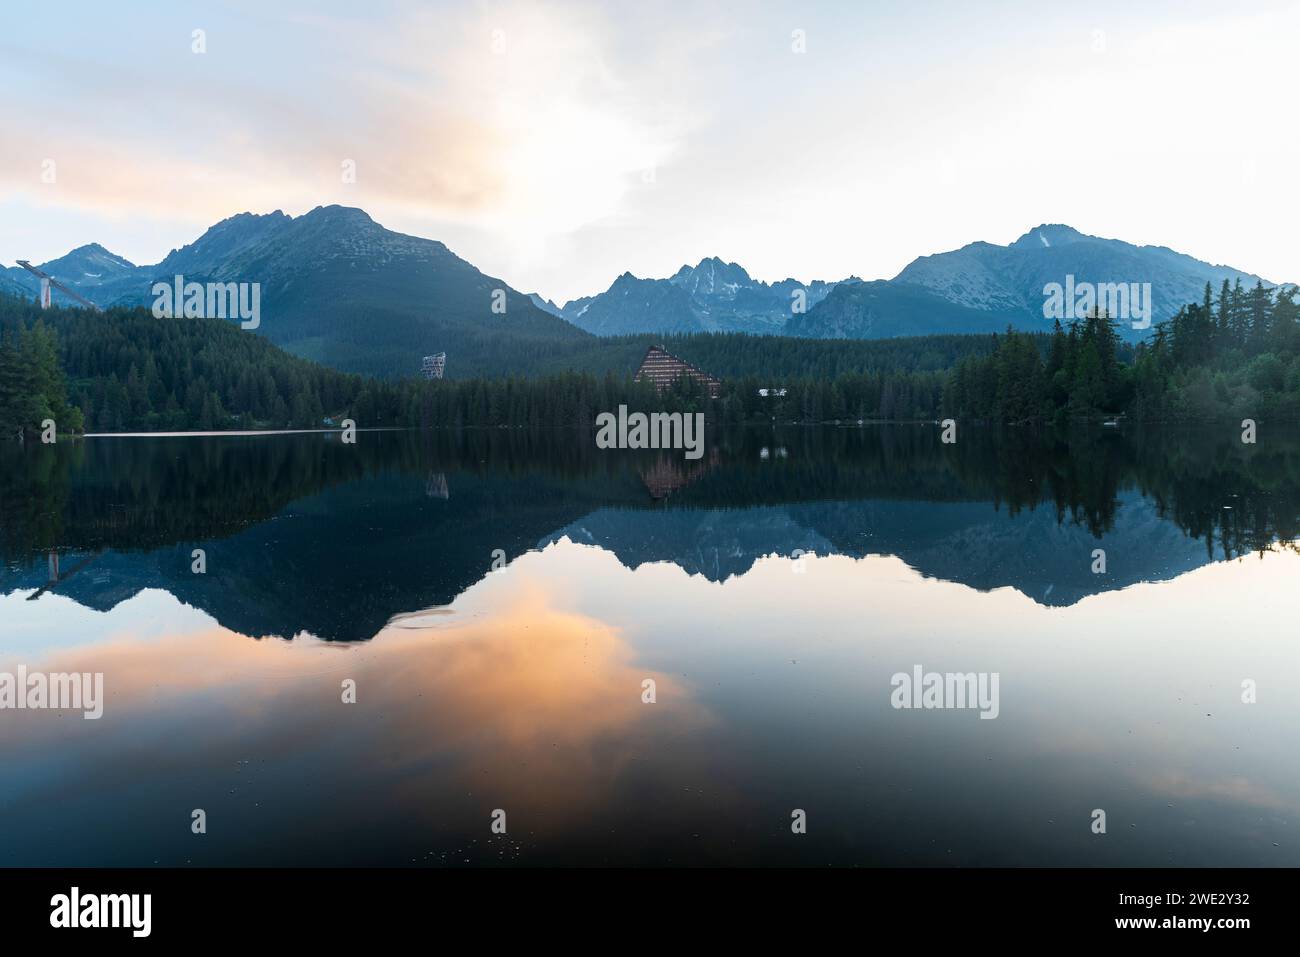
{"x": 48, "y": 282}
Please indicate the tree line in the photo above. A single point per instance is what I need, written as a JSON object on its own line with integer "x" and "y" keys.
{"x": 148, "y": 495}
{"x": 1234, "y": 353}
{"x": 125, "y": 370}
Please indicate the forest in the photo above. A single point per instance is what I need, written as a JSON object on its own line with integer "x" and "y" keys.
{"x": 32, "y": 385}
{"x": 125, "y": 370}
{"x": 1234, "y": 354}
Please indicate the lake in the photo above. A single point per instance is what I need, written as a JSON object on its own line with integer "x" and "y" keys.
{"x": 389, "y": 653}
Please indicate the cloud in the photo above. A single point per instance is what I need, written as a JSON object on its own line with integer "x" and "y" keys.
{"x": 511, "y": 118}
{"x": 467, "y": 702}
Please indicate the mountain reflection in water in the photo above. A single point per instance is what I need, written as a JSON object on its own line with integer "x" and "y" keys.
{"x": 302, "y": 533}
{"x": 502, "y": 602}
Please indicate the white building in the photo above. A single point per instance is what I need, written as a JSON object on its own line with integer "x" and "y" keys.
{"x": 434, "y": 365}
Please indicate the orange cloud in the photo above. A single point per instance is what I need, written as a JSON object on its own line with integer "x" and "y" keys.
{"x": 532, "y": 694}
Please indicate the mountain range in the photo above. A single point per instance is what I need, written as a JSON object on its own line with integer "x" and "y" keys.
{"x": 1010, "y": 279}
{"x": 339, "y": 289}
{"x": 980, "y": 287}
{"x": 713, "y": 296}
{"x": 309, "y": 534}
{"x": 342, "y": 290}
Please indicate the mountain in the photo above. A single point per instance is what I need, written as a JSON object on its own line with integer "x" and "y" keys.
{"x": 713, "y": 296}
{"x": 886, "y": 310}
{"x": 545, "y": 305}
{"x": 11, "y": 287}
{"x": 975, "y": 543}
{"x": 634, "y": 305}
{"x": 327, "y": 595}
{"x": 305, "y": 533}
{"x": 1007, "y": 282}
{"x": 340, "y": 289}
{"x": 979, "y": 288}
{"x": 90, "y": 267}
{"x": 227, "y": 239}
{"x": 92, "y": 270}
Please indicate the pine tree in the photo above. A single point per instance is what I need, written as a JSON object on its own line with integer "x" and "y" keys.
{"x": 1223, "y": 320}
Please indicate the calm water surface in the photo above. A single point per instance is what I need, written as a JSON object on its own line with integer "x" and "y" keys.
{"x": 499, "y": 600}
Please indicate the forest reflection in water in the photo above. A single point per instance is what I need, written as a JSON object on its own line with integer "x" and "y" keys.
{"x": 502, "y": 602}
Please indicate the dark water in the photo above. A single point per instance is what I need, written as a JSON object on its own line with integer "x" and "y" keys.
{"x": 500, "y": 600}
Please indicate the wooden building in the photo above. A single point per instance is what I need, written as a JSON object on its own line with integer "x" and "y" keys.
{"x": 667, "y": 475}
{"x": 663, "y": 369}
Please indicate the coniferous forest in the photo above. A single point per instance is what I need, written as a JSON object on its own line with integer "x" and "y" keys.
{"x": 32, "y": 385}
{"x": 1234, "y": 354}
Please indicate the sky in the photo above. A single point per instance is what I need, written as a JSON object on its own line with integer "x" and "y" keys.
{"x": 556, "y": 145}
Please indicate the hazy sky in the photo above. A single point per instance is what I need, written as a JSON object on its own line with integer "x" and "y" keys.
{"x": 556, "y": 145}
